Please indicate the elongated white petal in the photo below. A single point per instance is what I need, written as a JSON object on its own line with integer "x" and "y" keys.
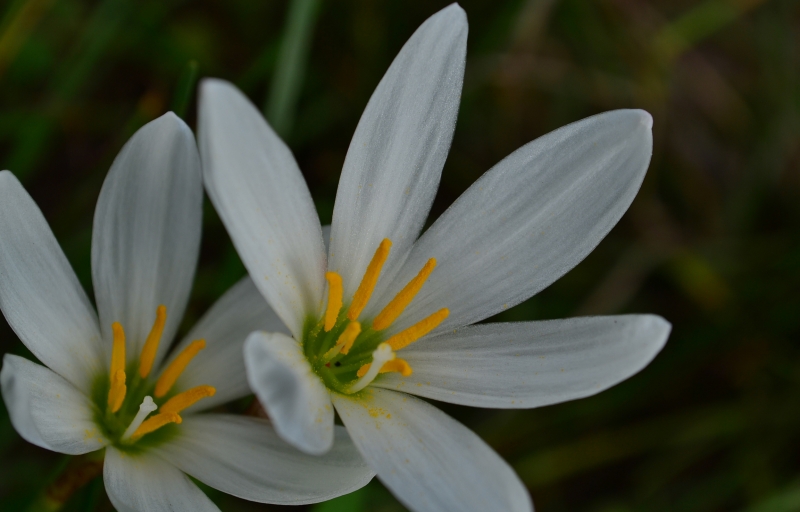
{"x": 147, "y": 232}
{"x": 47, "y": 410}
{"x": 530, "y": 364}
{"x": 40, "y": 295}
{"x": 260, "y": 194}
{"x": 244, "y": 457}
{"x": 240, "y": 311}
{"x": 529, "y": 220}
{"x": 143, "y": 482}
{"x": 428, "y": 460}
{"x": 395, "y": 159}
{"x": 297, "y": 401}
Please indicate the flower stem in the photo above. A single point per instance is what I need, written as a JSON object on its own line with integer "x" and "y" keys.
{"x": 78, "y": 472}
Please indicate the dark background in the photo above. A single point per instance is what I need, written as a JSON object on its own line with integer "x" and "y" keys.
{"x": 712, "y": 242}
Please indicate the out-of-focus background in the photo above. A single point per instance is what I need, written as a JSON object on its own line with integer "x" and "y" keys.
{"x": 711, "y": 243}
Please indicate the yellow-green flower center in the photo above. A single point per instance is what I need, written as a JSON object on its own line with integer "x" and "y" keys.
{"x": 347, "y": 353}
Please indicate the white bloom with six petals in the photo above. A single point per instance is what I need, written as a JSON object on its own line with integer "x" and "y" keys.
{"x": 106, "y": 384}
{"x": 382, "y": 293}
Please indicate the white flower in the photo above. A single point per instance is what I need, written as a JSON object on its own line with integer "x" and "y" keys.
{"x": 107, "y": 384}
{"x": 403, "y": 306}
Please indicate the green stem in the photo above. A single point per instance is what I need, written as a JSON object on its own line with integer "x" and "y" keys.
{"x": 291, "y": 66}
{"x": 78, "y": 472}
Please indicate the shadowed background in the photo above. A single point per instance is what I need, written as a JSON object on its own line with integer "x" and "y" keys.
{"x": 712, "y": 242}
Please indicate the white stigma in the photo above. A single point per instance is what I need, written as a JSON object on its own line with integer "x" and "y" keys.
{"x": 382, "y": 355}
{"x": 145, "y": 408}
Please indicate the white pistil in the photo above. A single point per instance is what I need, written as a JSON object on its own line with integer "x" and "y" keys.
{"x": 382, "y": 355}
{"x": 145, "y": 409}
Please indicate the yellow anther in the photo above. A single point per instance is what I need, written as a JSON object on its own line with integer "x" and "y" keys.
{"x": 154, "y": 423}
{"x": 183, "y": 400}
{"x": 404, "y": 298}
{"x": 369, "y": 280}
{"x": 395, "y": 365}
{"x": 116, "y": 375}
{"x": 151, "y": 345}
{"x": 418, "y": 330}
{"x": 335, "y": 293}
{"x": 349, "y": 336}
{"x": 117, "y": 350}
{"x": 116, "y": 394}
{"x": 174, "y": 370}
{"x": 344, "y": 343}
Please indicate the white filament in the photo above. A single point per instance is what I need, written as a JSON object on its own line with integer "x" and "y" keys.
{"x": 145, "y": 408}
{"x": 382, "y": 355}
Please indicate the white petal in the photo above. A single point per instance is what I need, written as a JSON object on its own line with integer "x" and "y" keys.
{"x": 47, "y": 410}
{"x": 326, "y": 236}
{"x": 240, "y": 311}
{"x": 244, "y": 457}
{"x": 147, "y": 232}
{"x": 260, "y": 194}
{"x": 428, "y": 460}
{"x": 530, "y": 364}
{"x": 143, "y": 482}
{"x": 529, "y": 220}
{"x": 40, "y": 295}
{"x": 297, "y": 401}
{"x": 395, "y": 160}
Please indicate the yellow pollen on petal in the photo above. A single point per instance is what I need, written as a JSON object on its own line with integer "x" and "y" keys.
{"x": 117, "y": 388}
{"x": 116, "y": 394}
{"x": 335, "y": 293}
{"x": 153, "y": 340}
{"x": 370, "y": 279}
{"x": 183, "y": 400}
{"x": 395, "y": 365}
{"x": 174, "y": 370}
{"x": 154, "y": 423}
{"x": 404, "y": 298}
{"x": 418, "y": 330}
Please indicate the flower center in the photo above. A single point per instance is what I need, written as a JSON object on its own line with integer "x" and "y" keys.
{"x": 124, "y": 404}
{"x": 348, "y": 354}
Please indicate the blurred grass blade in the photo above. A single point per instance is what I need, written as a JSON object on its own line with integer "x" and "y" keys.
{"x": 183, "y": 92}
{"x": 18, "y": 22}
{"x": 700, "y": 22}
{"x": 291, "y": 66}
{"x": 787, "y": 500}
{"x": 67, "y": 81}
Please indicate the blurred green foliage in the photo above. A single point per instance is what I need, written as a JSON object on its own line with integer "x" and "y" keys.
{"x": 712, "y": 242}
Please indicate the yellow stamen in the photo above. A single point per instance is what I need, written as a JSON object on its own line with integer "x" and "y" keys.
{"x": 117, "y": 350}
{"x": 117, "y": 389}
{"x": 154, "y": 423}
{"x": 116, "y": 394}
{"x": 151, "y": 345}
{"x": 335, "y": 293}
{"x": 404, "y": 298}
{"x": 395, "y": 365}
{"x": 418, "y": 330}
{"x": 344, "y": 342}
{"x": 174, "y": 370}
{"x": 369, "y": 280}
{"x": 181, "y": 401}
{"x": 349, "y": 336}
